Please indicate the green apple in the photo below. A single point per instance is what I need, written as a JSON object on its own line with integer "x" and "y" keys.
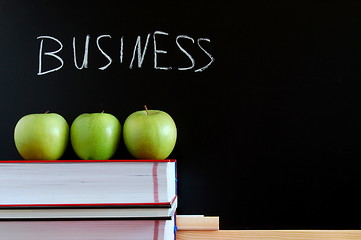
{"x": 95, "y": 136}
{"x": 42, "y": 136}
{"x": 149, "y": 134}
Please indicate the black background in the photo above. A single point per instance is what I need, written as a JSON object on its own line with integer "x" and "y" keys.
{"x": 268, "y": 135}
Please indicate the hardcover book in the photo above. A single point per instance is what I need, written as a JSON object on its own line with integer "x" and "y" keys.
{"x": 111, "y": 189}
{"x": 88, "y": 230}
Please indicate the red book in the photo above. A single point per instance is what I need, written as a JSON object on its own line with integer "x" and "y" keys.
{"x": 82, "y": 189}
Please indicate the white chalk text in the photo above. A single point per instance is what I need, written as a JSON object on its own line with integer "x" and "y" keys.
{"x": 143, "y": 46}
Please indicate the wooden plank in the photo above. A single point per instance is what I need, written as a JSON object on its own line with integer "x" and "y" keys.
{"x": 270, "y": 235}
{"x": 198, "y": 227}
{"x": 197, "y": 222}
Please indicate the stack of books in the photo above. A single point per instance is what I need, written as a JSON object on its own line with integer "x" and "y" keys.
{"x": 88, "y": 199}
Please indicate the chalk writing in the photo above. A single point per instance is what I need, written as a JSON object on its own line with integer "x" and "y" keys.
{"x": 185, "y": 52}
{"x": 140, "y": 50}
{"x": 208, "y": 54}
{"x": 158, "y": 51}
{"x": 86, "y": 50}
{"x": 52, "y": 54}
{"x": 101, "y": 50}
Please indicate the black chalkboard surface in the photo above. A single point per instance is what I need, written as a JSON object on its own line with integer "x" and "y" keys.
{"x": 266, "y": 96}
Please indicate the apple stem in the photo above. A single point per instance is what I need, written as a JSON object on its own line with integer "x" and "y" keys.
{"x": 102, "y": 111}
{"x": 146, "y": 109}
{"x": 47, "y": 111}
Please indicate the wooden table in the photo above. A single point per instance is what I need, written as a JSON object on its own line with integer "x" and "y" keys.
{"x": 199, "y": 227}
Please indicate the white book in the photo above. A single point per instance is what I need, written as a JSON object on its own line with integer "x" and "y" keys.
{"x": 79, "y": 213}
{"x": 88, "y": 230}
{"x": 82, "y": 189}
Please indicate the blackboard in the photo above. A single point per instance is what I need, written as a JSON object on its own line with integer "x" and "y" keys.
{"x": 266, "y": 96}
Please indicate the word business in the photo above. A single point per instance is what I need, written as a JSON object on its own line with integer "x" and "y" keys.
{"x": 139, "y": 51}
